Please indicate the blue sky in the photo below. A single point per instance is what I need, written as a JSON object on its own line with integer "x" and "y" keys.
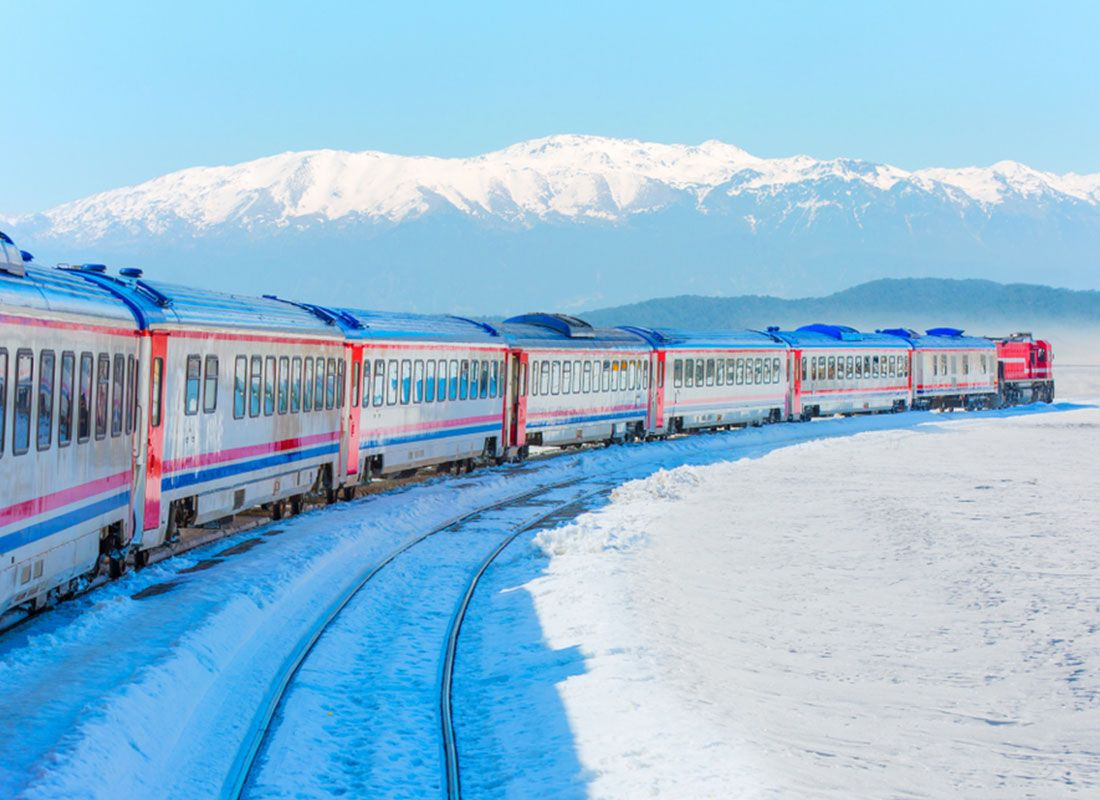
{"x": 101, "y": 95}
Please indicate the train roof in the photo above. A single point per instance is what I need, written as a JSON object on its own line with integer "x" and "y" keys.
{"x": 939, "y": 338}
{"x": 57, "y": 290}
{"x": 821, "y": 335}
{"x": 363, "y": 324}
{"x": 155, "y": 303}
{"x": 679, "y": 338}
{"x": 560, "y": 330}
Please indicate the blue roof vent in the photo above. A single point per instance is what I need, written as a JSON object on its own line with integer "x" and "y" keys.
{"x": 904, "y": 333}
{"x": 564, "y": 324}
{"x": 773, "y": 329}
{"x": 27, "y": 257}
{"x": 944, "y": 332}
{"x": 840, "y": 332}
{"x": 5, "y": 238}
{"x": 131, "y": 272}
{"x": 485, "y": 326}
{"x": 93, "y": 268}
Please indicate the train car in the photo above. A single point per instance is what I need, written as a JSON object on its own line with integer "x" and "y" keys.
{"x": 573, "y": 383}
{"x": 68, "y": 393}
{"x": 1025, "y": 369}
{"x": 429, "y": 390}
{"x": 712, "y": 379}
{"x": 840, "y": 370}
{"x": 950, "y": 370}
{"x": 245, "y": 404}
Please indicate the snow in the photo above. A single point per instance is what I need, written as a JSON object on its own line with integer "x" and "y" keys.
{"x": 558, "y": 177}
{"x": 662, "y": 644}
{"x": 904, "y": 612}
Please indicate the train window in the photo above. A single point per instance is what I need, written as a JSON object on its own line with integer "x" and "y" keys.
{"x": 849, "y": 368}
{"x": 240, "y": 380}
{"x": 318, "y": 383}
{"x": 102, "y": 390}
{"x": 441, "y": 381}
{"x": 484, "y": 391}
{"x": 156, "y": 396}
{"x": 379, "y": 392}
{"x": 452, "y": 377}
{"x": 966, "y": 364}
{"x": 366, "y": 382}
{"x": 758, "y": 371}
{"x": 355, "y": 384}
{"x": 710, "y": 371}
{"x": 191, "y": 385}
{"x": 269, "y": 386}
{"x": 418, "y": 381}
{"x": 64, "y": 399}
{"x": 24, "y": 398}
{"x": 645, "y": 374}
{"x": 777, "y": 375}
{"x": 391, "y": 386}
{"x": 981, "y": 363}
{"x": 767, "y": 373}
{"x": 131, "y": 393}
{"x": 943, "y": 363}
{"x": 295, "y": 384}
{"x": 893, "y": 364}
{"x": 118, "y": 394}
{"x": 255, "y": 386}
{"x": 903, "y": 365}
{"x": 614, "y": 375}
{"x": 283, "y": 384}
{"x": 954, "y": 365}
{"x": 700, "y": 372}
{"x": 689, "y": 373}
{"x": 678, "y": 373}
{"x": 601, "y": 375}
{"x": 577, "y": 377}
{"x": 330, "y": 383}
{"x": 341, "y": 381}
{"x": 534, "y": 378}
{"x": 586, "y": 377}
{"x": 830, "y": 368}
{"x": 720, "y": 373}
{"x": 3, "y": 395}
{"x": 566, "y": 377}
{"x": 859, "y": 368}
{"x": 544, "y": 378}
{"x": 874, "y": 367}
{"x": 632, "y": 374}
{"x": 406, "y": 381}
{"x": 47, "y": 361}
{"x": 555, "y": 377}
{"x": 463, "y": 379}
{"x": 739, "y": 371}
{"x": 429, "y": 382}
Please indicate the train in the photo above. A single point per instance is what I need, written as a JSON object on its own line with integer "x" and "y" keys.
{"x": 131, "y": 408}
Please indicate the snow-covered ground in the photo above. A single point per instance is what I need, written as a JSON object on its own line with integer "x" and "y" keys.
{"x": 671, "y": 643}
{"x": 908, "y": 612}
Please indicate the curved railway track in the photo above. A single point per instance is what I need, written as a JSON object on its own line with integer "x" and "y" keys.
{"x": 243, "y": 772}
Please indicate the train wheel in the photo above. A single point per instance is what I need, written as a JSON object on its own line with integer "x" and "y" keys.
{"x": 296, "y": 504}
{"x": 348, "y": 493}
{"x": 116, "y": 567}
{"x": 330, "y": 496}
{"x": 141, "y": 559}
{"x": 278, "y": 509}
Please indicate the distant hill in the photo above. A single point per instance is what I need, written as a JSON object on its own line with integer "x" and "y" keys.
{"x": 908, "y": 302}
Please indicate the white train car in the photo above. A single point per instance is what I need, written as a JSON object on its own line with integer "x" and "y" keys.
{"x": 68, "y": 388}
{"x": 840, "y": 370}
{"x": 708, "y": 379}
{"x": 428, "y": 390}
{"x": 951, "y": 370}
{"x": 245, "y": 404}
{"x": 574, "y": 383}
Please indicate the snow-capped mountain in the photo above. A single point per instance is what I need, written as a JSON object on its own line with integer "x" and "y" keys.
{"x": 580, "y": 220}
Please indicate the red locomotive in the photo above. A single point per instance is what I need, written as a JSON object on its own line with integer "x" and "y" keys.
{"x": 1025, "y": 370}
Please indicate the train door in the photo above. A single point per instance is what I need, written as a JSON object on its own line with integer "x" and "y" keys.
{"x": 350, "y": 439}
{"x": 656, "y": 421}
{"x": 795, "y": 401}
{"x": 515, "y": 407}
{"x": 154, "y": 422}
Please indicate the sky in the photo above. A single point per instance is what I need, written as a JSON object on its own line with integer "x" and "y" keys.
{"x": 101, "y": 95}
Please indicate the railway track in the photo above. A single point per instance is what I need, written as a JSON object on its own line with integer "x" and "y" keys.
{"x": 247, "y": 765}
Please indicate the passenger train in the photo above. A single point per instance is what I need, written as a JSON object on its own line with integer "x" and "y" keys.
{"x": 130, "y": 408}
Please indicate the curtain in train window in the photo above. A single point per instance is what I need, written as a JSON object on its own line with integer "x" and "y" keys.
{"x": 46, "y": 365}
{"x": 379, "y": 381}
{"x": 614, "y": 375}
{"x": 418, "y": 381}
{"x": 632, "y": 375}
{"x": 710, "y": 372}
{"x": 240, "y": 380}
{"x": 586, "y": 377}
{"x": 720, "y": 373}
{"x": 566, "y": 377}
{"x": 441, "y": 381}
{"x": 859, "y": 368}
{"x": 452, "y": 378}
{"x": 191, "y": 385}
{"x": 463, "y": 379}
{"x": 494, "y": 381}
{"x": 210, "y": 385}
{"x": 102, "y": 392}
{"x": 689, "y": 374}
{"x": 555, "y": 377}
{"x": 483, "y": 391}
{"x": 330, "y": 383}
{"x": 700, "y": 372}
{"x": 874, "y": 367}
{"x": 758, "y": 371}
{"x": 406, "y": 381}
{"x": 283, "y": 384}
{"x": 66, "y": 384}
{"x": 544, "y": 378}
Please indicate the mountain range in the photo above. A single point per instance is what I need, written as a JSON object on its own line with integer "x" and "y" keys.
{"x": 575, "y": 222}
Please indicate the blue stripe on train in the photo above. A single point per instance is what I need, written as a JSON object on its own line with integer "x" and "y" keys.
{"x": 183, "y": 480}
{"x": 437, "y": 434}
{"x": 48, "y": 527}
